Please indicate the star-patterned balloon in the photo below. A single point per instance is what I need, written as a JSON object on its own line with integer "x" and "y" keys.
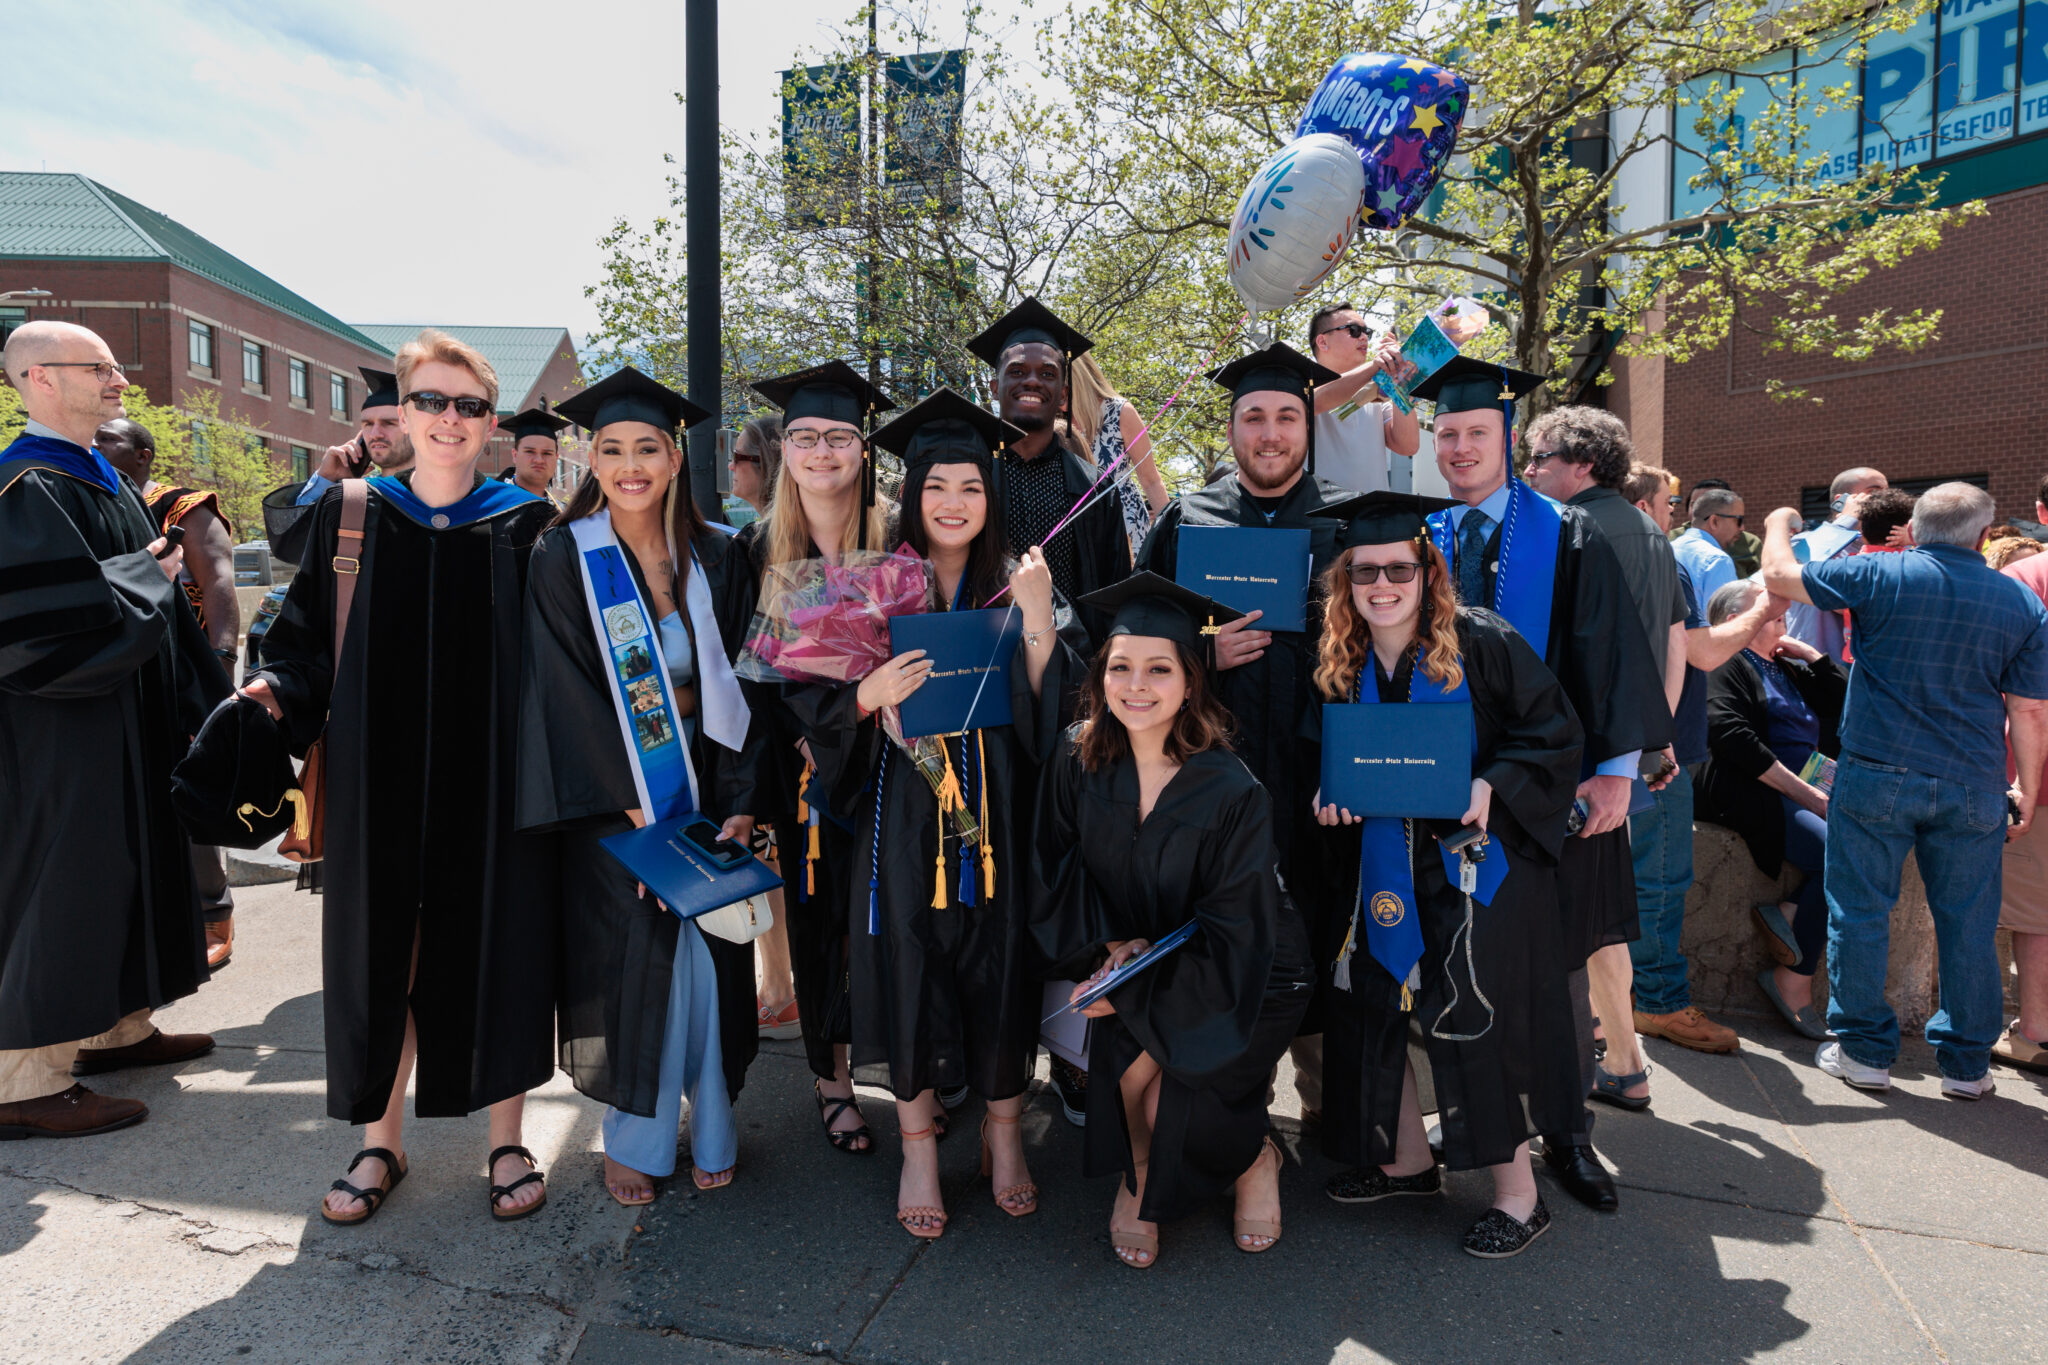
{"x": 1402, "y": 114}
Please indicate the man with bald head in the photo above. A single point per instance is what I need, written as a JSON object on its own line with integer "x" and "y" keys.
{"x": 1836, "y": 538}
{"x": 103, "y": 674}
{"x": 209, "y": 585}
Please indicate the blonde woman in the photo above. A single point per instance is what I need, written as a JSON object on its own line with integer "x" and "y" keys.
{"x": 1111, "y": 430}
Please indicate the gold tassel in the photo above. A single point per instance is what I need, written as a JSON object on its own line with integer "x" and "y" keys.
{"x": 803, "y": 817}
{"x": 301, "y": 819}
{"x": 988, "y": 853}
{"x": 949, "y": 800}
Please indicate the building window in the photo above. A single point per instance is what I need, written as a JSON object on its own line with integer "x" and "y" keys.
{"x": 252, "y": 365}
{"x": 11, "y": 318}
{"x": 337, "y": 394}
{"x": 199, "y": 346}
{"x": 302, "y": 462}
{"x": 302, "y": 383}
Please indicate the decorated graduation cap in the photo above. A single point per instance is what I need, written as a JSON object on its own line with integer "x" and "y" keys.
{"x": 630, "y": 396}
{"x": 380, "y": 388}
{"x": 946, "y": 428}
{"x": 1149, "y": 604}
{"x": 1467, "y": 385}
{"x": 836, "y": 392}
{"x": 1278, "y": 369}
{"x": 535, "y": 422}
{"x": 1030, "y": 321}
{"x": 1383, "y": 518}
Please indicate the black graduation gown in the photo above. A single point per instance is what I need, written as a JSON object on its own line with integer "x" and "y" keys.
{"x": 1524, "y": 1066}
{"x": 421, "y": 766}
{"x": 103, "y": 675}
{"x": 814, "y": 893}
{"x": 1218, "y": 1011}
{"x": 1598, "y": 653}
{"x": 618, "y": 949}
{"x": 1102, "y": 548}
{"x": 941, "y": 997}
{"x": 286, "y": 524}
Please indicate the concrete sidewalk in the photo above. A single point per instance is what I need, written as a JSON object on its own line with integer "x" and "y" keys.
{"x": 1767, "y": 1211}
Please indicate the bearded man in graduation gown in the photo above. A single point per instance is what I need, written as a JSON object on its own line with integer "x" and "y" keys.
{"x": 1038, "y": 480}
{"x": 380, "y": 446}
{"x": 103, "y": 676}
{"x": 1265, "y": 677}
{"x": 1548, "y": 569}
{"x": 439, "y": 922}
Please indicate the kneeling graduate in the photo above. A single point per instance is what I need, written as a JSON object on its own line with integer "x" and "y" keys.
{"x": 630, "y": 712}
{"x": 1458, "y": 950}
{"x": 1151, "y": 830}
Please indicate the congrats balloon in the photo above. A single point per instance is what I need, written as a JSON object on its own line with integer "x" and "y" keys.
{"x": 1403, "y": 116}
{"x": 1295, "y": 220}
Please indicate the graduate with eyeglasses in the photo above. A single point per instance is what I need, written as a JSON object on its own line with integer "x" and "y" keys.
{"x": 1478, "y": 983}
{"x": 940, "y": 994}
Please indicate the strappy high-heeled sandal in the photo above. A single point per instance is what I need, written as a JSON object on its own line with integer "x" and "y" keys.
{"x": 373, "y": 1198}
{"x": 533, "y": 1175}
{"x": 1130, "y": 1239}
{"x": 841, "y": 1139}
{"x": 1026, "y": 1193}
{"x": 922, "y": 1221}
{"x": 1258, "y": 1227}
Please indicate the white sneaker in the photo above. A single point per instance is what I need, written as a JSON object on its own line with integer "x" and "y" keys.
{"x": 1968, "y": 1090}
{"x": 1843, "y": 1067}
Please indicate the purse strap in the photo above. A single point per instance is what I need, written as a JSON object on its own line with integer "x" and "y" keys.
{"x": 355, "y": 507}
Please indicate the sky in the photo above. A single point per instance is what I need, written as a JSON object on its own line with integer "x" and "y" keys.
{"x": 395, "y": 161}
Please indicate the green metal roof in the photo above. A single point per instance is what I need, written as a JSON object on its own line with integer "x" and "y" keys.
{"x": 53, "y": 216}
{"x": 518, "y": 354}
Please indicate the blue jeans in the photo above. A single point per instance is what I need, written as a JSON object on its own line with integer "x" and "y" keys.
{"x": 1660, "y": 839}
{"x": 1878, "y": 814}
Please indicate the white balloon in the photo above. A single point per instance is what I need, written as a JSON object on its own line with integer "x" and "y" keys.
{"x": 1295, "y": 220}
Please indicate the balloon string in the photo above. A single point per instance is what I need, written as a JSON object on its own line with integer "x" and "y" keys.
{"x": 1097, "y": 490}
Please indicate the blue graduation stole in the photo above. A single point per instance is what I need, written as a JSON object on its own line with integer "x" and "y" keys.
{"x": 488, "y": 500}
{"x": 631, "y": 648}
{"x": 88, "y": 466}
{"x": 1527, "y": 573}
{"x": 1386, "y": 871}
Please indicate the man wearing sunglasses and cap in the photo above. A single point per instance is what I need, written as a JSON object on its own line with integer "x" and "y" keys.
{"x": 1362, "y": 441}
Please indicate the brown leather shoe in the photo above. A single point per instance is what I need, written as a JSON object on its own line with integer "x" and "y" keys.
{"x": 76, "y": 1112}
{"x": 1688, "y": 1028}
{"x": 220, "y": 943}
{"x": 155, "y": 1050}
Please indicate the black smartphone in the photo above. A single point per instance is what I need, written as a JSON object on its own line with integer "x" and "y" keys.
{"x": 1466, "y": 836}
{"x": 172, "y": 539}
{"x": 703, "y": 835}
{"x": 361, "y": 460}
{"x": 2012, "y": 811}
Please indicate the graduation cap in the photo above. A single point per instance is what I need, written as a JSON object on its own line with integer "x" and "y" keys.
{"x": 1148, "y": 604}
{"x": 235, "y": 787}
{"x": 833, "y": 390}
{"x": 535, "y": 422}
{"x": 1382, "y": 518}
{"x": 1278, "y": 369}
{"x": 1029, "y": 321}
{"x": 1467, "y": 385}
{"x": 381, "y": 388}
{"x": 630, "y": 396}
{"x": 946, "y": 428}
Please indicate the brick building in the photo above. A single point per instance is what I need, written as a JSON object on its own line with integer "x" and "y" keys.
{"x": 533, "y": 363}
{"x": 181, "y": 315}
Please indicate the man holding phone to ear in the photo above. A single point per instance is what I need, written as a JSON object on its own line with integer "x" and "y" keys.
{"x": 380, "y": 447}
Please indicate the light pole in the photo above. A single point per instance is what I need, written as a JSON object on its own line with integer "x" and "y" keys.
{"x": 24, "y": 294}
{"x": 700, "y": 244}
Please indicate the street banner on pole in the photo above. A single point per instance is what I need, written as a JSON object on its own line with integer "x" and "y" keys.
{"x": 821, "y": 155}
{"x": 926, "y": 93}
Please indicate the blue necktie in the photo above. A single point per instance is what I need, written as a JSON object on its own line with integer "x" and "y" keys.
{"x": 1472, "y": 558}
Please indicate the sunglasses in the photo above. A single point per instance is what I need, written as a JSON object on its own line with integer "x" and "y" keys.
{"x": 1358, "y": 331}
{"x": 434, "y": 404}
{"x": 102, "y": 370}
{"x": 1675, "y": 501}
{"x": 1367, "y": 574}
{"x": 738, "y": 458}
{"x": 1738, "y": 520}
{"x": 808, "y": 439}
{"x": 1540, "y": 456}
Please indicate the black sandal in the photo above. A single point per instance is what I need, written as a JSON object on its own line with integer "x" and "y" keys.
{"x": 500, "y": 1191}
{"x": 842, "y": 1139}
{"x": 373, "y": 1198}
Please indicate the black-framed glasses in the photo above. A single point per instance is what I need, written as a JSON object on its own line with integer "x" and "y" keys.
{"x": 808, "y": 438}
{"x": 434, "y": 404}
{"x": 102, "y": 370}
{"x": 1358, "y": 331}
{"x": 1737, "y": 517}
{"x": 1365, "y": 575}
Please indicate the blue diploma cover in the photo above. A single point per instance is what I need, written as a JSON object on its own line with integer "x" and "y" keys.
{"x": 1412, "y": 761}
{"x": 1109, "y": 981}
{"x": 683, "y": 875}
{"x": 1250, "y": 569}
{"x": 969, "y": 686}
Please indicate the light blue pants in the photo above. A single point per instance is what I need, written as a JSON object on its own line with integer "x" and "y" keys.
{"x": 690, "y": 1065}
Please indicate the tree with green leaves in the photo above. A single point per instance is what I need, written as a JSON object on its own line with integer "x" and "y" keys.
{"x": 1569, "y": 103}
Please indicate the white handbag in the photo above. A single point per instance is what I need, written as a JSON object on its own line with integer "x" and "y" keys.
{"x": 741, "y": 922}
